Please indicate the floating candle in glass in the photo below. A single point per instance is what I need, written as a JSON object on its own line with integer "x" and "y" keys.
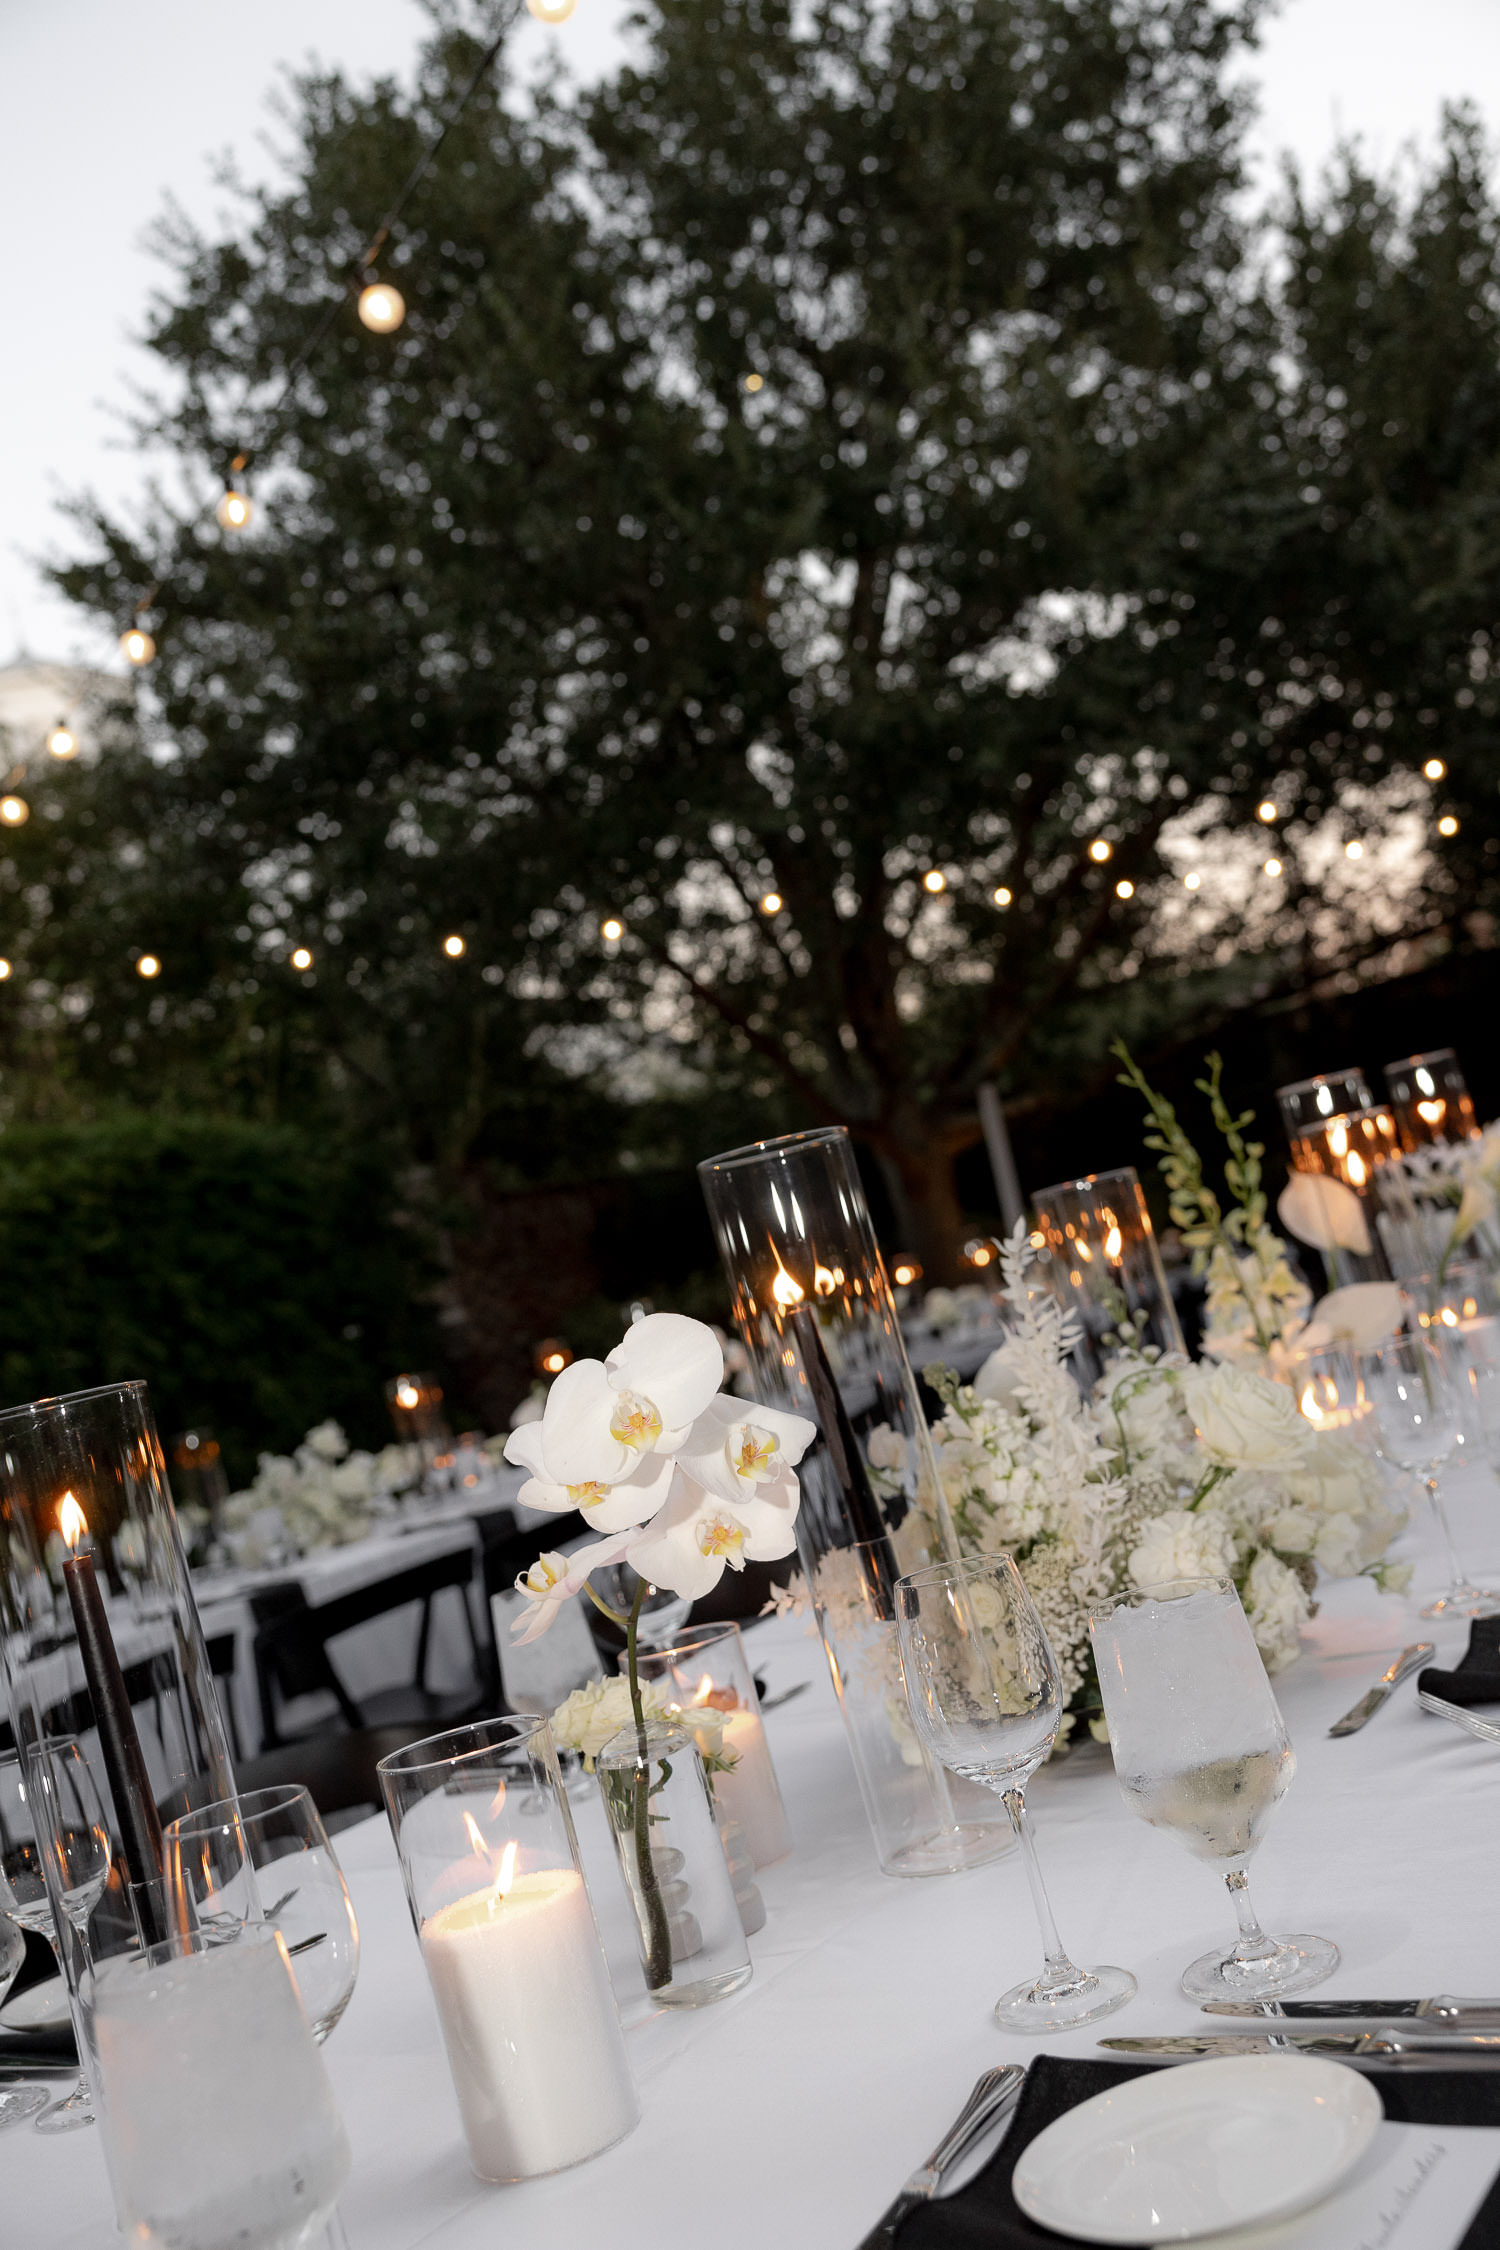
{"x": 708, "y": 1671}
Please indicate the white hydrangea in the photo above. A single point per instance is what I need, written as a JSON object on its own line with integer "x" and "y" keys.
{"x": 1183, "y": 1545}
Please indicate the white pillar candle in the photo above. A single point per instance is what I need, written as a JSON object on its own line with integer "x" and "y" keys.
{"x": 530, "y": 2025}
{"x": 750, "y": 1794}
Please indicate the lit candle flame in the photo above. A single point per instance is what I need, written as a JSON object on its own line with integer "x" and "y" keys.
{"x": 505, "y": 1868}
{"x": 784, "y": 1289}
{"x": 1310, "y": 1406}
{"x": 1357, "y": 1171}
{"x": 704, "y": 1691}
{"x": 1338, "y": 1140}
{"x": 823, "y": 1281}
{"x": 71, "y": 1521}
{"x": 1112, "y": 1243}
{"x": 407, "y": 1394}
{"x": 1431, "y": 1113}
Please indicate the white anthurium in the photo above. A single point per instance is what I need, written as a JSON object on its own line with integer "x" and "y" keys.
{"x": 697, "y": 1533}
{"x": 1324, "y": 1213}
{"x": 742, "y": 1451}
{"x": 603, "y": 1417}
{"x": 604, "y": 1507}
{"x": 554, "y": 1579}
{"x": 1363, "y": 1315}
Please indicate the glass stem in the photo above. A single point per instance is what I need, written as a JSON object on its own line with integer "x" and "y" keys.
{"x": 1060, "y": 1970}
{"x": 1254, "y": 1945}
{"x": 1458, "y": 1576}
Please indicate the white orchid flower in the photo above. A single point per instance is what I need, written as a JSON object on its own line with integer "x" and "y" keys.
{"x": 603, "y": 1417}
{"x": 604, "y": 1507}
{"x": 741, "y": 1451}
{"x": 554, "y": 1579}
{"x": 687, "y": 1545}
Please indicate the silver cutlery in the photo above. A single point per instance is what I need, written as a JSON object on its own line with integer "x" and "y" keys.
{"x": 774, "y": 1702}
{"x": 1441, "y": 2010}
{"x": 1365, "y": 1709}
{"x": 1460, "y": 1718}
{"x": 994, "y": 2095}
{"x": 1387, "y": 2048}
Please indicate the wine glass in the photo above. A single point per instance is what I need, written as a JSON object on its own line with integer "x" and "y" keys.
{"x": 985, "y": 1697}
{"x": 297, "y": 1877}
{"x": 20, "y": 2102}
{"x": 1417, "y": 1419}
{"x": 1200, "y": 1748}
{"x": 80, "y": 1822}
{"x": 663, "y": 1613}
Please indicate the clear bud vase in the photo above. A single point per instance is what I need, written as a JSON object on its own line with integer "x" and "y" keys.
{"x": 658, "y": 1801}
{"x": 813, "y": 1304}
{"x": 100, "y": 1642}
{"x": 1099, "y": 1258}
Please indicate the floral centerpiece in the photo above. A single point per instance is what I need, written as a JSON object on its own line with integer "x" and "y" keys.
{"x": 680, "y": 1481}
{"x": 1169, "y": 1470}
{"x": 323, "y": 1495}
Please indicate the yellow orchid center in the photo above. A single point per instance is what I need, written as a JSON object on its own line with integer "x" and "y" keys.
{"x": 635, "y": 1422}
{"x": 720, "y": 1535}
{"x": 756, "y": 1450}
{"x": 545, "y": 1573}
{"x": 588, "y": 1495}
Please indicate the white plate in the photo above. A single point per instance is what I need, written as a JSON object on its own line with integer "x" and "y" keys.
{"x": 1195, "y": 2148}
{"x": 39, "y": 2008}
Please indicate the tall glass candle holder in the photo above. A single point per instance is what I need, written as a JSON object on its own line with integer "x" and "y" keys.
{"x": 709, "y": 1670}
{"x": 813, "y": 1305}
{"x": 100, "y": 1640}
{"x": 1342, "y": 1221}
{"x": 512, "y": 1951}
{"x": 1098, "y": 1255}
{"x": 1310, "y": 1102}
{"x": 709, "y": 1956}
{"x": 1429, "y": 1100}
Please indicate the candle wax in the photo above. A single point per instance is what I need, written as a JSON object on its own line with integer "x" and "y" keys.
{"x": 750, "y": 1794}
{"x": 530, "y": 2025}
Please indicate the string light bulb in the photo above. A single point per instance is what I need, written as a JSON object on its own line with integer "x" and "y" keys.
{"x": 754, "y": 383}
{"x": 771, "y": 903}
{"x": 1354, "y": 849}
{"x": 551, "y": 11}
{"x": 302, "y": 957}
{"x": 1447, "y": 826}
{"x": 1100, "y": 850}
{"x": 1191, "y": 880}
{"x": 147, "y": 966}
{"x": 137, "y": 647}
{"x": 62, "y": 741}
{"x": 4, "y": 969}
{"x": 934, "y": 881}
{"x": 14, "y": 811}
{"x": 1124, "y": 889}
{"x": 1266, "y": 810}
{"x": 1002, "y": 897}
{"x": 381, "y": 307}
{"x": 1434, "y": 769}
{"x": 235, "y": 509}
{"x": 1273, "y": 867}
{"x": 612, "y": 930}
{"x": 454, "y": 947}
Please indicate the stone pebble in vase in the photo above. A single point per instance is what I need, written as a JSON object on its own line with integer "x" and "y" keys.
{"x": 682, "y": 1925}
{"x": 742, "y": 1874}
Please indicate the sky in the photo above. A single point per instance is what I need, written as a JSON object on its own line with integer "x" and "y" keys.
{"x": 104, "y": 116}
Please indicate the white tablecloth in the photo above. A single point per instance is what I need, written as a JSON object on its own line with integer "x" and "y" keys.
{"x": 789, "y": 2114}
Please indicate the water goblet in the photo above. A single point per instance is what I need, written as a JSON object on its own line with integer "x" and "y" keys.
{"x": 1200, "y": 1748}
{"x": 265, "y": 1855}
{"x": 19, "y": 2102}
{"x": 1417, "y": 1421}
{"x": 86, "y": 1861}
{"x": 985, "y": 1697}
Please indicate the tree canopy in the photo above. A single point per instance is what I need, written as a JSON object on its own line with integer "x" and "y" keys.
{"x": 856, "y": 507}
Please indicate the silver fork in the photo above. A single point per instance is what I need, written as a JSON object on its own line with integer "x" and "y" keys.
{"x": 994, "y": 2095}
{"x": 1460, "y": 1718}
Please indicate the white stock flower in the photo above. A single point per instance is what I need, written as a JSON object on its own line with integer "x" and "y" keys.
{"x": 604, "y": 1418}
{"x": 1183, "y": 1544}
{"x": 1243, "y": 1421}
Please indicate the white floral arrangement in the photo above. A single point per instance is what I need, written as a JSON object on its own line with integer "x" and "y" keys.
{"x": 323, "y": 1495}
{"x": 1169, "y": 1470}
{"x": 595, "y": 1713}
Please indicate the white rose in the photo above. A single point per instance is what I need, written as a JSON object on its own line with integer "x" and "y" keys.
{"x": 1183, "y": 1544}
{"x": 1244, "y": 1421}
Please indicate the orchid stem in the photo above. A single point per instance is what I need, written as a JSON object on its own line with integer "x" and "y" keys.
{"x": 658, "y": 1935}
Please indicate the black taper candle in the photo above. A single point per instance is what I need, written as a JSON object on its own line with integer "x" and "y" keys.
{"x": 847, "y": 1462}
{"x": 124, "y": 1763}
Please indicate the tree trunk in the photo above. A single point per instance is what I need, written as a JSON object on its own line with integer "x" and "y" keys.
{"x": 920, "y": 1176}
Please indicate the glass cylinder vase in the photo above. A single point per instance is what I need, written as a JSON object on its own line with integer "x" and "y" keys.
{"x": 661, "y": 1818}
{"x": 512, "y": 1951}
{"x": 1098, "y": 1255}
{"x": 1339, "y": 1196}
{"x": 100, "y": 1640}
{"x": 1430, "y": 1100}
{"x": 813, "y": 1305}
{"x": 707, "y": 1671}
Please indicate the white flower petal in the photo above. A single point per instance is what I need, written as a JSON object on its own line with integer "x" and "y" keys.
{"x": 735, "y": 1448}
{"x": 674, "y": 1362}
{"x": 636, "y": 1499}
{"x": 523, "y": 1448}
{"x": 578, "y": 1445}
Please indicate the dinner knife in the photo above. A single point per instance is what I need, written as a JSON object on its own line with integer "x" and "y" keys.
{"x": 1365, "y": 1709}
{"x": 1386, "y": 2049}
{"x": 994, "y": 2095}
{"x": 1441, "y": 2009}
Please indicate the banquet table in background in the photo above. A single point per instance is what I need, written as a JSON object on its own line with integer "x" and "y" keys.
{"x": 792, "y": 2112}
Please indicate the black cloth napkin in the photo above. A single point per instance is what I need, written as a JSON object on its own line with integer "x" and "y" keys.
{"x": 50, "y": 2047}
{"x": 985, "y": 2215}
{"x": 1476, "y": 1677}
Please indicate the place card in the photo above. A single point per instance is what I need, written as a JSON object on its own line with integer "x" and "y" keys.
{"x": 1417, "y": 2188}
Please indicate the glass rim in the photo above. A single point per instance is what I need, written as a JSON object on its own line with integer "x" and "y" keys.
{"x": 62, "y": 1400}
{"x": 753, "y": 1152}
{"x": 1088, "y": 1182}
{"x": 668, "y": 1730}
{"x": 1165, "y": 1589}
{"x": 1319, "y": 1078}
{"x": 230, "y": 1812}
{"x": 701, "y": 1636}
{"x": 16, "y": 1755}
{"x": 952, "y": 1567}
{"x": 180, "y": 1946}
{"x": 1414, "y": 1062}
{"x": 462, "y": 1743}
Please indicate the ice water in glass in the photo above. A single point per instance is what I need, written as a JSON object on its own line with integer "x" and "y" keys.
{"x": 219, "y": 2121}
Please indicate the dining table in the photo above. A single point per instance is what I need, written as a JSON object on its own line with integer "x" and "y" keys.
{"x": 791, "y": 2112}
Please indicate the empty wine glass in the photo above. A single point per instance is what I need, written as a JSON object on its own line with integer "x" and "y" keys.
{"x": 80, "y": 1822}
{"x": 663, "y": 1613}
{"x": 985, "y": 1697}
{"x": 295, "y": 1882}
{"x": 1200, "y": 1748}
{"x": 1417, "y": 1418}
{"x": 19, "y": 2102}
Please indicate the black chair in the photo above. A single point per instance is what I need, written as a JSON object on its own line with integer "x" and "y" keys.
{"x": 336, "y": 1769}
{"x": 292, "y": 1659}
{"x": 221, "y": 1664}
